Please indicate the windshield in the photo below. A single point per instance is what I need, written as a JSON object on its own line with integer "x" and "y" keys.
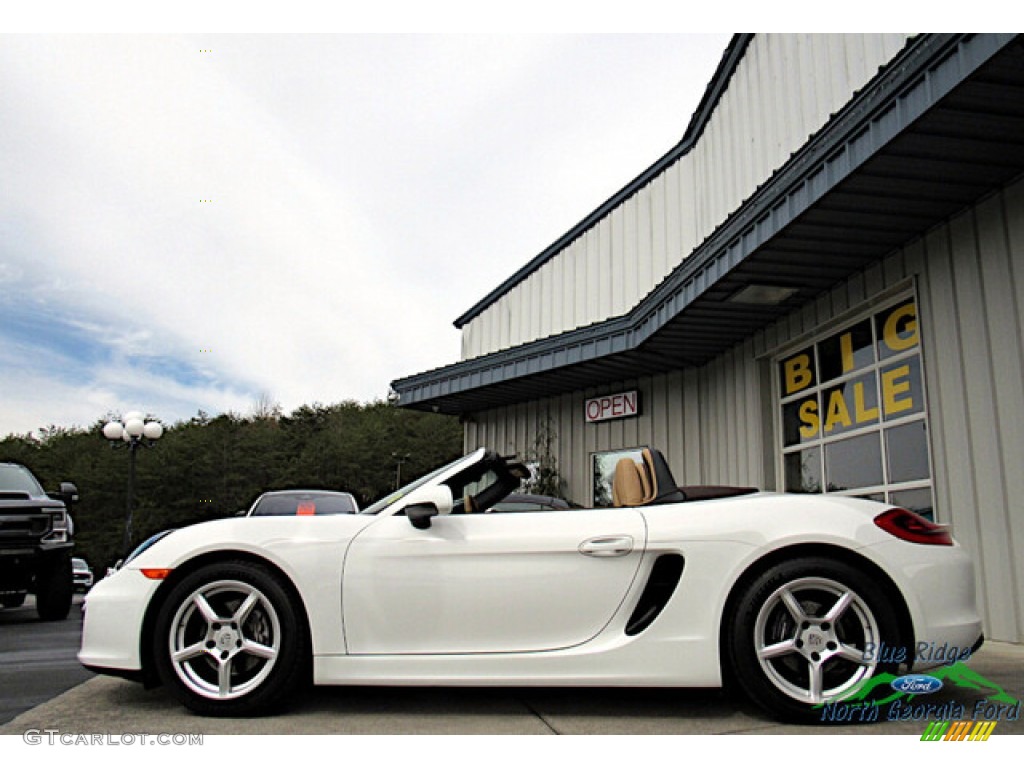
{"x": 144, "y": 546}
{"x": 304, "y": 504}
{"x": 19, "y": 480}
{"x": 390, "y": 499}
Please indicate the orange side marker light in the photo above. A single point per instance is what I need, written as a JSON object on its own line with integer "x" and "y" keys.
{"x": 156, "y": 573}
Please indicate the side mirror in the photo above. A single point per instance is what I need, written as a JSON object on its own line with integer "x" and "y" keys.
{"x": 419, "y": 514}
{"x": 69, "y": 493}
{"x": 425, "y": 503}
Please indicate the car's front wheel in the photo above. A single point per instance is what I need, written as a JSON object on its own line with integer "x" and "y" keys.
{"x": 14, "y": 600}
{"x": 228, "y": 641}
{"x": 54, "y": 588}
{"x": 808, "y": 632}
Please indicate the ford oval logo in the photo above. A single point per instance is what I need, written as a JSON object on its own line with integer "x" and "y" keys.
{"x": 916, "y": 684}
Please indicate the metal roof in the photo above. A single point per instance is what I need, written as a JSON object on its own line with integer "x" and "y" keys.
{"x": 935, "y": 130}
{"x": 716, "y": 87}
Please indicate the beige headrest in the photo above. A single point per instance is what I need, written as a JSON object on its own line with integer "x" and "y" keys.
{"x": 628, "y": 486}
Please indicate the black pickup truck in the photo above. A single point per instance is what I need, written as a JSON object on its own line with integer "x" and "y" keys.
{"x": 36, "y": 537}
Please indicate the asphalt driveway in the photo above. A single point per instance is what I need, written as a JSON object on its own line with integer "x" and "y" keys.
{"x": 38, "y": 659}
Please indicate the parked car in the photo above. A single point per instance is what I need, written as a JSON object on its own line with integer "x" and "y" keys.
{"x": 81, "y": 574}
{"x": 36, "y": 538}
{"x": 799, "y": 599}
{"x": 303, "y": 503}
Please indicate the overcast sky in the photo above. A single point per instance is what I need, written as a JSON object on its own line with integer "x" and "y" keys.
{"x": 188, "y": 222}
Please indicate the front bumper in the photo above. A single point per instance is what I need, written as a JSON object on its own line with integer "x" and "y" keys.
{"x": 115, "y": 609}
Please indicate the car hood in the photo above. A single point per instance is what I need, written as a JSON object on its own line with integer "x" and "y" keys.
{"x": 273, "y": 537}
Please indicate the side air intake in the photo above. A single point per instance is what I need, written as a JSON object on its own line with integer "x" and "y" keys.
{"x": 662, "y": 583}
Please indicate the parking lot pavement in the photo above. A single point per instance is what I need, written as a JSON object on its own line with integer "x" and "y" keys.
{"x": 109, "y": 705}
{"x": 38, "y": 659}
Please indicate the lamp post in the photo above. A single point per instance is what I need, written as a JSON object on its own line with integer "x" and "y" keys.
{"x": 132, "y": 432}
{"x": 400, "y": 459}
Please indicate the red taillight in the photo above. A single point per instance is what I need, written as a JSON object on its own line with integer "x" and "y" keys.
{"x": 910, "y": 526}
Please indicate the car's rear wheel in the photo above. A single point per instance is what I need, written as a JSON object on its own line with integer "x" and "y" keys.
{"x": 808, "y": 632}
{"x": 228, "y": 641}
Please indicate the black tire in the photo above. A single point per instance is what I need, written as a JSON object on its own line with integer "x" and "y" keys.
{"x": 789, "y": 655}
{"x": 54, "y": 589}
{"x": 242, "y": 648}
{"x": 13, "y": 601}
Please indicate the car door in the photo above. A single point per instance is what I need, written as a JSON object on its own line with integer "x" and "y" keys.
{"x": 488, "y": 583}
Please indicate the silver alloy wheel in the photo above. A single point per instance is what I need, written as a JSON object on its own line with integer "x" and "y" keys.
{"x": 814, "y": 639}
{"x": 224, "y": 639}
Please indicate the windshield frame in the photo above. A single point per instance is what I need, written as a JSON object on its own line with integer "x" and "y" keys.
{"x": 437, "y": 476}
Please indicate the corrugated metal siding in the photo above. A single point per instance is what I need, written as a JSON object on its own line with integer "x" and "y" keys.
{"x": 714, "y": 423}
{"x": 782, "y": 91}
{"x": 706, "y": 421}
{"x": 974, "y": 295}
{"x": 969, "y": 275}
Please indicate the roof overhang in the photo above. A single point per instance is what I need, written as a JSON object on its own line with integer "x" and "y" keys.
{"x": 938, "y": 128}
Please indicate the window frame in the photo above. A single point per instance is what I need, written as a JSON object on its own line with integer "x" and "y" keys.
{"x": 879, "y": 427}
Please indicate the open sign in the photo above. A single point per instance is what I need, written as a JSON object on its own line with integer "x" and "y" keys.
{"x": 620, "y": 406}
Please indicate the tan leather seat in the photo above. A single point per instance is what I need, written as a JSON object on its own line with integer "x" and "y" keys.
{"x": 632, "y": 486}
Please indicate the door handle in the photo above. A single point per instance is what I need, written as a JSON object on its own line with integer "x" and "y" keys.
{"x": 607, "y": 546}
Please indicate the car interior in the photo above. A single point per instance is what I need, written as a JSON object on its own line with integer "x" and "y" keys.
{"x": 635, "y": 484}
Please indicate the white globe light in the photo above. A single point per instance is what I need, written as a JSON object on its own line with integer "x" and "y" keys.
{"x": 153, "y": 430}
{"x": 113, "y": 430}
{"x": 134, "y": 427}
{"x": 133, "y": 415}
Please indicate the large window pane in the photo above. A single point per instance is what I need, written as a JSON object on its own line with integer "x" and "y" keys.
{"x": 897, "y": 330}
{"x": 797, "y": 372}
{"x": 800, "y": 421}
{"x": 906, "y": 449}
{"x": 902, "y": 392}
{"x": 850, "y": 405}
{"x": 846, "y": 351}
{"x": 854, "y": 463}
{"x": 803, "y": 471}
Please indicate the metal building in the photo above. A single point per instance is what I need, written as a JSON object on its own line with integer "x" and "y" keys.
{"x": 819, "y": 289}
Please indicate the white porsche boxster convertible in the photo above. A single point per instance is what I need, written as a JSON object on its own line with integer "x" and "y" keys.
{"x": 795, "y": 599}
